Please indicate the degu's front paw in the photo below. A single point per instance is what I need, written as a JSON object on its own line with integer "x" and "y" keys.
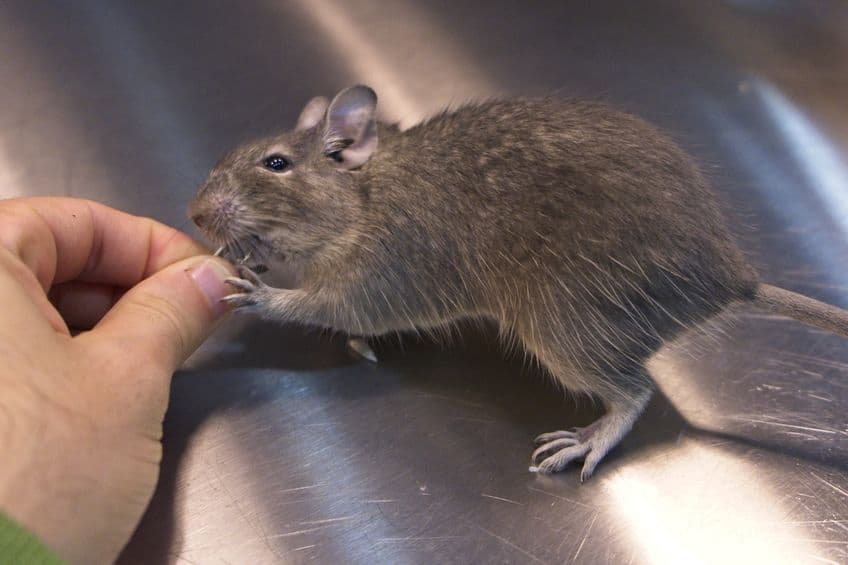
{"x": 253, "y": 292}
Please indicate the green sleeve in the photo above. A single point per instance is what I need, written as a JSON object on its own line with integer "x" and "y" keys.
{"x": 19, "y": 547}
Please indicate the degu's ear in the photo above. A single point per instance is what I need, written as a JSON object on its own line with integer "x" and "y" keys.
{"x": 312, "y": 113}
{"x": 350, "y": 134}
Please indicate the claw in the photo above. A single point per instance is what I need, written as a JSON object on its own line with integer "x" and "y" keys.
{"x": 360, "y": 348}
{"x": 558, "y": 449}
{"x": 551, "y": 436}
{"x": 241, "y": 284}
{"x": 248, "y": 275}
{"x": 239, "y": 300}
{"x": 563, "y": 457}
{"x": 556, "y": 444}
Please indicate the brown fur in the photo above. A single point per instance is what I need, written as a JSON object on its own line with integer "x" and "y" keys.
{"x": 586, "y": 233}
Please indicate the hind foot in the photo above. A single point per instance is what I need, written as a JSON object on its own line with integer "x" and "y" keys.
{"x": 563, "y": 447}
{"x": 589, "y": 444}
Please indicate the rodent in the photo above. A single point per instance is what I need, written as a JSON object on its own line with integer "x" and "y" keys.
{"x": 584, "y": 232}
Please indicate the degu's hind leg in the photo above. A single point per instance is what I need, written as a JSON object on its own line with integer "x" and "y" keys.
{"x": 623, "y": 386}
{"x": 592, "y": 443}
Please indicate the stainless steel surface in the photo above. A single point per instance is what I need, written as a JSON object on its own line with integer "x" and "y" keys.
{"x": 281, "y": 448}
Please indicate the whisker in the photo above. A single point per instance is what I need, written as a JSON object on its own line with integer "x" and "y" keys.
{"x": 262, "y": 220}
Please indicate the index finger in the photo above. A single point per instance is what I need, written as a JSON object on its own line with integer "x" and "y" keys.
{"x": 63, "y": 239}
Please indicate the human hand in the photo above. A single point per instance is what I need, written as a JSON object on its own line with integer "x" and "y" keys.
{"x": 81, "y": 417}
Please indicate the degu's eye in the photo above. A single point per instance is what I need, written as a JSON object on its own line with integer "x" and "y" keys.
{"x": 276, "y": 163}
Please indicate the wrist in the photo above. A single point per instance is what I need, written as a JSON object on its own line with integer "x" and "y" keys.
{"x": 30, "y": 475}
{"x": 19, "y": 545}
{"x": 48, "y": 481}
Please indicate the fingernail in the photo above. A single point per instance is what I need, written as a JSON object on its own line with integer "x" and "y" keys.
{"x": 209, "y": 277}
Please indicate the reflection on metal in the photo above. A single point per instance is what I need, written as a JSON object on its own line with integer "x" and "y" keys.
{"x": 703, "y": 505}
{"x": 279, "y": 448}
{"x": 146, "y": 88}
{"x": 36, "y": 119}
{"x": 10, "y": 176}
{"x": 825, "y": 170}
{"x": 10, "y": 182}
{"x": 779, "y": 187}
{"x": 403, "y": 97}
{"x": 683, "y": 388}
{"x": 355, "y": 48}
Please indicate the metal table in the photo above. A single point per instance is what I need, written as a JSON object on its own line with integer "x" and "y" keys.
{"x": 281, "y": 448}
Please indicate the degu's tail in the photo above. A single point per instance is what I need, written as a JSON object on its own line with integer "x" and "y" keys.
{"x": 802, "y": 308}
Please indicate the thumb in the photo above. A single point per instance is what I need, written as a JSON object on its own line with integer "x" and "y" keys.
{"x": 165, "y": 317}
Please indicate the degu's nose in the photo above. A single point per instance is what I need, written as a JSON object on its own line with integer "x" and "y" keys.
{"x": 198, "y": 213}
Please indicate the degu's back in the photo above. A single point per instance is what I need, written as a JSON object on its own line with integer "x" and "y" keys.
{"x": 528, "y": 191}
